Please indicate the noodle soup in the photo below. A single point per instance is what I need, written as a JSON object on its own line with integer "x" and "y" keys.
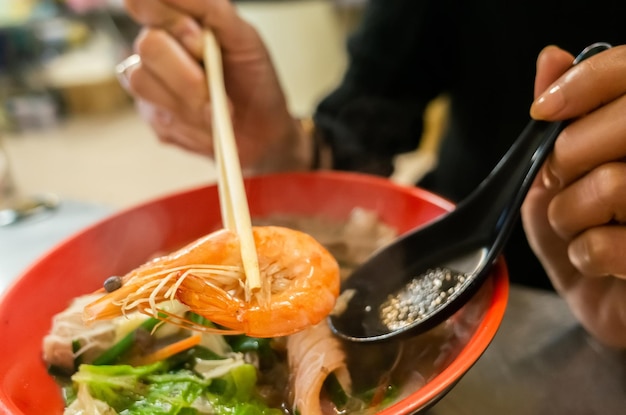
{"x": 126, "y": 239}
{"x": 310, "y": 372}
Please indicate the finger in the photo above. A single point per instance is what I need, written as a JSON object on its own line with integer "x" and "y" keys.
{"x": 173, "y": 67}
{"x": 597, "y": 199}
{"x": 222, "y": 17}
{"x": 146, "y": 87}
{"x": 549, "y": 247}
{"x": 192, "y": 140}
{"x": 584, "y": 87}
{"x": 173, "y": 130}
{"x": 156, "y": 14}
{"x": 552, "y": 62}
{"x": 597, "y": 138}
{"x": 597, "y": 251}
{"x": 158, "y": 117}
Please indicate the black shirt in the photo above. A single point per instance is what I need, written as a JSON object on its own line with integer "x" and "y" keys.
{"x": 480, "y": 53}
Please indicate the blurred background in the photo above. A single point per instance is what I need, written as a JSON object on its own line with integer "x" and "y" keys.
{"x": 68, "y": 128}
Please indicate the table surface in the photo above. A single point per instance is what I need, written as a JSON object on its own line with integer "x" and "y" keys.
{"x": 23, "y": 242}
{"x": 540, "y": 362}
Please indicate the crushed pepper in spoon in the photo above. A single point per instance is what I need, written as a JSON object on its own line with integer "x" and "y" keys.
{"x": 420, "y": 297}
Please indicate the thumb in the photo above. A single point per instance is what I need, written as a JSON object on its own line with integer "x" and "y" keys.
{"x": 552, "y": 62}
{"x": 548, "y": 246}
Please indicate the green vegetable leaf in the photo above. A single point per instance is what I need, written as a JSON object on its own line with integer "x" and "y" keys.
{"x": 119, "y": 385}
{"x": 155, "y": 390}
{"x": 237, "y": 385}
{"x": 242, "y": 343}
{"x": 169, "y": 394}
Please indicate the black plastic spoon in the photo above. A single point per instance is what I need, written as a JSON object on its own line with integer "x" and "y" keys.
{"x": 428, "y": 274}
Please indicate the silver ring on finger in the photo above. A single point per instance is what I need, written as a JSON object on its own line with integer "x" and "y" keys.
{"x": 125, "y": 67}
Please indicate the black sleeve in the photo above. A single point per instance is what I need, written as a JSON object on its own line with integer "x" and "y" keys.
{"x": 398, "y": 61}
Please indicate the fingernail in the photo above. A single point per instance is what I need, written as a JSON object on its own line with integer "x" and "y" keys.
{"x": 549, "y": 104}
{"x": 125, "y": 68}
{"x": 550, "y": 180}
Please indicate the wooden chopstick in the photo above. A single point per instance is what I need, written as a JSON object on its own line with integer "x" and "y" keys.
{"x": 233, "y": 201}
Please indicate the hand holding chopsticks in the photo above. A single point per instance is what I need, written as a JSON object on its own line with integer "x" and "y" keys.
{"x": 232, "y": 194}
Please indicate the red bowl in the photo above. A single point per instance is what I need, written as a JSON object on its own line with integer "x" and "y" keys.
{"x": 126, "y": 239}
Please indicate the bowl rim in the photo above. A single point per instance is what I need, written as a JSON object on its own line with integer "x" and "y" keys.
{"x": 437, "y": 385}
{"x": 344, "y": 176}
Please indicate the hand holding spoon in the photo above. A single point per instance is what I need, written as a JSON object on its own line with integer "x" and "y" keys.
{"x": 425, "y": 276}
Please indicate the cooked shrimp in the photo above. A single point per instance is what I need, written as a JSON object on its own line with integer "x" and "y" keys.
{"x": 300, "y": 285}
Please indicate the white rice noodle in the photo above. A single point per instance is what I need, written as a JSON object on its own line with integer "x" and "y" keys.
{"x": 312, "y": 355}
{"x": 67, "y": 327}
